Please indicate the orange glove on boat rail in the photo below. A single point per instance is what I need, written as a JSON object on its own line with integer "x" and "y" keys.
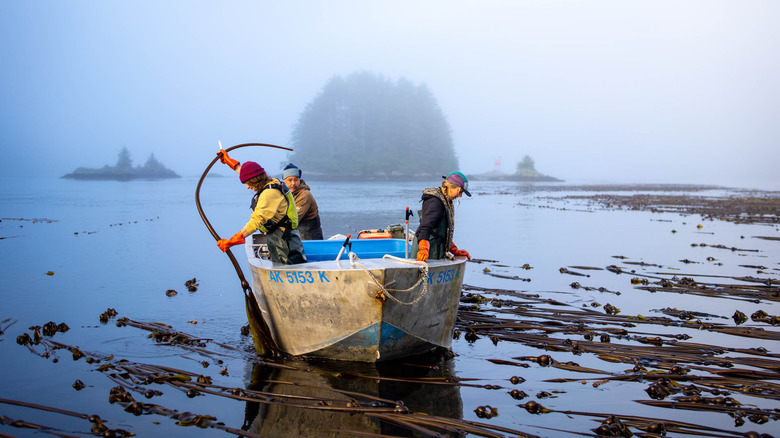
{"x": 459, "y": 252}
{"x": 224, "y": 244}
{"x": 225, "y": 159}
{"x": 425, "y": 248}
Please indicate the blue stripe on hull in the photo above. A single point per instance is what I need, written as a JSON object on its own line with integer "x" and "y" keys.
{"x": 360, "y": 346}
{"x": 390, "y": 341}
{"x": 365, "y": 339}
{"x": 397, "y": 343}
{"x": 391, "y": 337}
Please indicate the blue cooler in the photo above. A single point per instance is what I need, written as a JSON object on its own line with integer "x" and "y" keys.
{"x": 320, "y": 250}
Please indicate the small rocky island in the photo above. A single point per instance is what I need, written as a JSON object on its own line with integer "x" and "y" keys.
{"x": 124, "y": 170}
{"x": 526, "y": 172}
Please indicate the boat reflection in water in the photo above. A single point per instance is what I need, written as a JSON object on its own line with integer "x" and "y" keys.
{"x": 314, "y": 398}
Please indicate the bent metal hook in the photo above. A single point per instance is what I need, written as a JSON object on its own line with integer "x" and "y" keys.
{"x": 261, "y": 334}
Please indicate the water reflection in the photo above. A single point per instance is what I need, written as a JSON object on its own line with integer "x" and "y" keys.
{"x": 316, "y": 396}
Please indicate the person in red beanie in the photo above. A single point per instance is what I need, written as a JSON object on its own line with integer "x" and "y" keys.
{"x": 433, "y": 238}
{"x": 273, "y": 213}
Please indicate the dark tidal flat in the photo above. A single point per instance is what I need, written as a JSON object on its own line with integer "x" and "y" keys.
{"x": 586, "y": 311}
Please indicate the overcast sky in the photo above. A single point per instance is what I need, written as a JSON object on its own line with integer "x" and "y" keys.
{"x": 594, "y": 91}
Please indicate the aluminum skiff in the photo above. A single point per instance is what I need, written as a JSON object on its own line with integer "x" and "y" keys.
{"x": 370, "y": 305}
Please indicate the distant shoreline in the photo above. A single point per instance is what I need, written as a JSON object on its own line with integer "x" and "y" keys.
{"x": 542, "y": 178}
{"x": 115, "y": 178}
{"x": 121, "y": 174}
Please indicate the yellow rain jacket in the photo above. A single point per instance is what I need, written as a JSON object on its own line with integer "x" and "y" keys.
{"x": 272, "y": 204}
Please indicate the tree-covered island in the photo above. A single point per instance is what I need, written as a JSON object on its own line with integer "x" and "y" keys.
{"x": 124, "y": 170}
{"x": 367, "y": 127}
{"x": 526, "y": 172}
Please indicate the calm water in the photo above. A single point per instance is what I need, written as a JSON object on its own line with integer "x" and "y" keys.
{"x": 122, "y": 245}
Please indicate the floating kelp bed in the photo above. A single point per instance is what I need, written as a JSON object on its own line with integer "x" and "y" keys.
{"x": 764, "y": 210}
{"x": 279, "y": 387}
{"x": 739, "y": 381}
{"x": 285, "y": 398}
{"x": 330, "y": 400}
{"x": 677, "y": 374}
{"x": 290, "y": 398}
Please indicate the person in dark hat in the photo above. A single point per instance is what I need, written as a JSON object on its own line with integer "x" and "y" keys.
{"x": 433, "y": 239}
{"x": 273, "y": 213}
{"x": 309, "y": 224}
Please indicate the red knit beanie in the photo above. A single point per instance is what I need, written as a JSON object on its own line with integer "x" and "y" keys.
{"x": 249, "y": 170}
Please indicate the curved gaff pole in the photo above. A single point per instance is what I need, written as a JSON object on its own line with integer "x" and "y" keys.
{"x": 261, "y": 334}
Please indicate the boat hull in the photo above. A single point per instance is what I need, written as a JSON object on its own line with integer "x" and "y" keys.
{"x": 369, "y": 310}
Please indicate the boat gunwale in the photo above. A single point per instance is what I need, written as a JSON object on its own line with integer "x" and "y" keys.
{"x": 344, "y": 264}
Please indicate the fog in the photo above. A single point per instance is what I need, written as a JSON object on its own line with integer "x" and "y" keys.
{"x": 596, "y": 91}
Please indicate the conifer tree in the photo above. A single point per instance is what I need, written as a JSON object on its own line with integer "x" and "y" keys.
{"x": 124, "y": 161}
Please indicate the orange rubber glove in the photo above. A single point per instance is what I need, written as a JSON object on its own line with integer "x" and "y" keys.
{"x": 425, "y": 248}
{"x": 224, "y": 244}
{"x": 459, "y": 252}
{"x": 225, "y": 159}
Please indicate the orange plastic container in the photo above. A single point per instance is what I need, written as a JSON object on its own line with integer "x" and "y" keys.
{"x": 374, "y": 234}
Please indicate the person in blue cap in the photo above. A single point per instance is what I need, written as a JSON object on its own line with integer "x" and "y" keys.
{"x": 433, "y": 239}
{"x": 309, "y": 225}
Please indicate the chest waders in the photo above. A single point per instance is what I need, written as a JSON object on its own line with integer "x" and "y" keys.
{"x": 284, "y": 242}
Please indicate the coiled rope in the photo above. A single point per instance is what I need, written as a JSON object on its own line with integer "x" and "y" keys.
{"x": 386, "y": 292}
